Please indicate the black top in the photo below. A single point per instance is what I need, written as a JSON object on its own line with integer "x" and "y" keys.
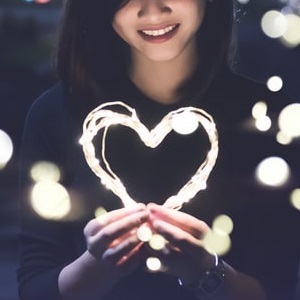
{"x": 265, "y": 239}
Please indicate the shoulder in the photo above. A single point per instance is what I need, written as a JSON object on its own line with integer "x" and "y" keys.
{"x": 48, "y": 103}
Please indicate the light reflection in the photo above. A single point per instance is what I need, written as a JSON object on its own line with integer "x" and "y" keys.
{"x": 272, "y": 171}
{"x": 6, "y": 149}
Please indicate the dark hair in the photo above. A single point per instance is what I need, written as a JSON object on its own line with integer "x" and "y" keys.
{"x": 90, "y": 54}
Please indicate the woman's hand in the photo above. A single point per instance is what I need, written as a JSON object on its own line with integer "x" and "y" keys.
{"x": 112, "y": 238}
{"x": 184, "y": 256}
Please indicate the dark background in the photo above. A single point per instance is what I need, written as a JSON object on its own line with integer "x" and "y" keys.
{"x": 26, "y": 43}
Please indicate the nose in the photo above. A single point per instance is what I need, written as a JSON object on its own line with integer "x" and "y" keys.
{"x": 153, "y": 8}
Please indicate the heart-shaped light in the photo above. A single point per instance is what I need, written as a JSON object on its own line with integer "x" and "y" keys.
{"x": 102, "y": 117}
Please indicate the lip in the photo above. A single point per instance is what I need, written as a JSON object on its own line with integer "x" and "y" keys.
{"x": 161, "y": 38}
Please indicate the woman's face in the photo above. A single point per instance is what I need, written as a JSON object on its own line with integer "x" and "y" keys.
{"x": 160, "y": 30}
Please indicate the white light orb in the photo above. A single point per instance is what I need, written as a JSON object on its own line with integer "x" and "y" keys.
{"x": 157, "y": 242}
{"x": 216, "y": 242}
{"x": 44, "y": 170}
{"x": 184, "y": 123}
{"x": 50, "y": 200}
{"x": 291, "y": 37}
{"x": 272, "y": 171}
{"x": 289, "y": 120}
{"x": 144, "y": 233}
{"x": 295, "y": 198}
{"x": 274, "y": 24}
{"x": 153, "y": 264}
{"x": 259, "y": 110}
{"x": 275, "y": 83}
{"x": 263, "y": 123}
{"x": 222, "y": 224}
{"x": 6, "y": 148}
{"x": 283, "y": 139}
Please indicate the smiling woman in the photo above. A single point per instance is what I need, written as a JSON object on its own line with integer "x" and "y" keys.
{"x": 161, "y": 62}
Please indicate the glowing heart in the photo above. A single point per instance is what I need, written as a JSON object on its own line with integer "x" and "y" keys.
{"x": 102, "y": 117}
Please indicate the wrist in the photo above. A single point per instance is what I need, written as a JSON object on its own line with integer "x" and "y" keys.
{"x": 210, "y": 283}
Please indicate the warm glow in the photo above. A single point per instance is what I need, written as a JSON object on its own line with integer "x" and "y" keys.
{"x": 295, "y": 198}
{"x": 50, "y": 200}
{"x": 273, "y": 171}
{"x": 100, "y": 211}
{"x": 289, "y": 120}
{"x": 6, "y": 149}
{"x": 44, "y": 170}
{"x": 153, "y": 264}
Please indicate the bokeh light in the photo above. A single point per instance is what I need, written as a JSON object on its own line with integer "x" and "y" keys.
{"x": 153, "y": 264}
{"x": 216, "y": 242}
{"x": 275, "y": 83}
{"x": 144, "y": 233}
{"x": 259, "y": 110}
{"x": 223, "y": 224}
{"x": 272, "y": 171}
{"x": 263, "y": 123}
{"x": 50, "y": 200}
{"x": 274, "y": 24}
{"x": 185, "y": 123}
{"x": 157, "y": 242}
{"x": 289, "y": 120}
{"x": 295, "y": 198}
{"x": 45, "y": 170}
{"x": 283, "y": 139}
{"x": 6, "y": 148}
{"x": 291, "y": 36}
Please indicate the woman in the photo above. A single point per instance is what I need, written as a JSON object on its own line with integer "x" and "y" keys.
{"x": 155, "y": 56}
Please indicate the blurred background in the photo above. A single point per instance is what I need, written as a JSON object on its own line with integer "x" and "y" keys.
{"x": 268, "y": 48}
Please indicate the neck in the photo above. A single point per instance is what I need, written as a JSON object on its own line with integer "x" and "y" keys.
{"x": 160, "y": 80}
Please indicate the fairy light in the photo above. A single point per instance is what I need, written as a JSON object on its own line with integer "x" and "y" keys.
{"x": 144, "y": 233}
{"x": 153, "y": 264}
{"x": 102, "y": 117}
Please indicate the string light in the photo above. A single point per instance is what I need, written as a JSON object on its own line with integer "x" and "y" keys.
{"x": 102, "y": 117}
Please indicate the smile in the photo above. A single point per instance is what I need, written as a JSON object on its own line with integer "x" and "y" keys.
{"x": 159, "y": 32}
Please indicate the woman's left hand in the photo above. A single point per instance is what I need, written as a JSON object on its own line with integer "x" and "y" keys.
{"x": 184, "y": 256}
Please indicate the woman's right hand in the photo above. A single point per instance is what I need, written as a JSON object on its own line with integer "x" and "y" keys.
{"x": 112, "y": 238}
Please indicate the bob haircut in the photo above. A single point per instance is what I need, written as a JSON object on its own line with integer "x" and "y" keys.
{"x": 91, "y": 57}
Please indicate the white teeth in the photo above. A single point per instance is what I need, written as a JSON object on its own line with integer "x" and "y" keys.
{"x": 160, "y": 31}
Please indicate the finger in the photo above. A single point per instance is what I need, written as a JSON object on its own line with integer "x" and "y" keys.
{"x": 114, "y": 233}
{"x": 179, "y": 219}
{"x": 98, "y": 223}
{"x": 123, "y": 251}
{"x": 177, "y": 237}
